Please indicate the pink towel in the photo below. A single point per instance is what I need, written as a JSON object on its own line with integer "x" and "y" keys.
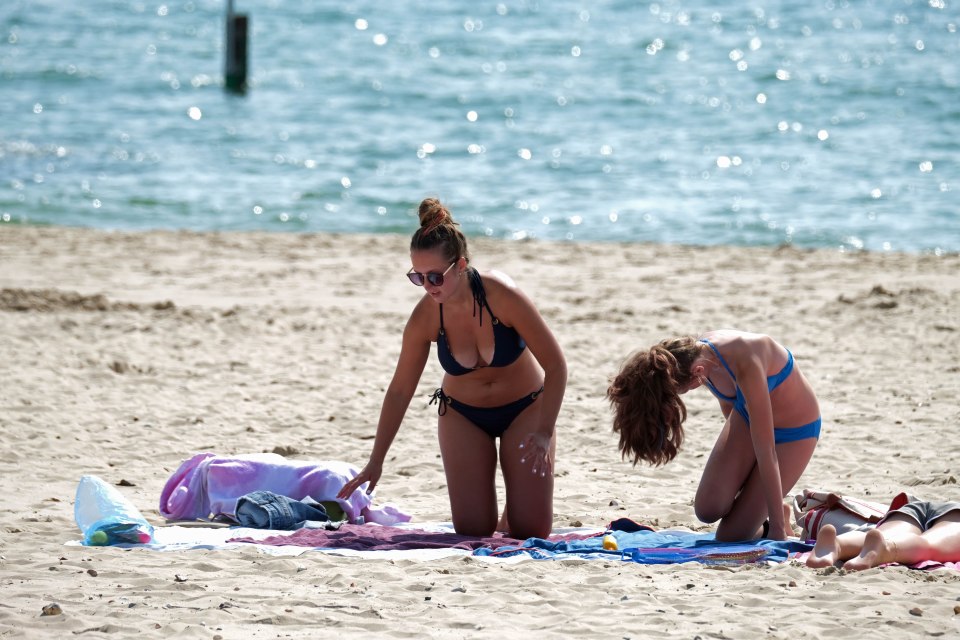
{"x": 366, "y": 538}
{"x": 208, "y": 485}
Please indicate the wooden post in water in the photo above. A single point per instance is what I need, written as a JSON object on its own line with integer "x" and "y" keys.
{"x": 235, "y": 49}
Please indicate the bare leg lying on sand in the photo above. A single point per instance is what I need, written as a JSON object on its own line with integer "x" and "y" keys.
{"x": 831, "y": 548}
{"x": 898, "y": 538}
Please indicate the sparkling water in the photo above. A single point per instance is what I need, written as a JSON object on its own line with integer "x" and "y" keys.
{"x": 819, "y": 124}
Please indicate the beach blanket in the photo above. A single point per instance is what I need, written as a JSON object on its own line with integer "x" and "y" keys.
{"x": 644, "y": 546}
{"x": 207, "y": 486}
{"x": 675, "y": 546}
{"x": 187, "y": 536}
{"x": 386, "y": 538}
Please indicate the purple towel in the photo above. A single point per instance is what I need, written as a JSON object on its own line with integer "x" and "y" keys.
{"x": 383, "y": 538}
{"x": 207, "y": 485}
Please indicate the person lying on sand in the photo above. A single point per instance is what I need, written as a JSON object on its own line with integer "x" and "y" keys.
{"x": 917, "y": 531}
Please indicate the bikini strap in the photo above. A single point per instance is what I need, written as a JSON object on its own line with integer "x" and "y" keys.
{"x": 442, "y": 400}
{"x": 722, "y": 361}
{"x": 713, "y": 389}
{"x": 775, "y": 381}
{"x": 480, "y": 296}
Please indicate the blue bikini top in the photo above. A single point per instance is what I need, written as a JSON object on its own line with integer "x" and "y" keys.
{"x": 739, "y": 402}
{"x": 507, "y": 343}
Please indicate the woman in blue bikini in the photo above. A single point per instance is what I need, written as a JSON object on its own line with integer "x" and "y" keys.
{"x": 771, "y": 429}
{"x": 505, "y": 378}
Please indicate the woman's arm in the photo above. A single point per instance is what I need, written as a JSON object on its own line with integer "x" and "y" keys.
{"x": 751, "y": 371}
{"x": 520, "y": 312}
{"x": 413, "y": 358}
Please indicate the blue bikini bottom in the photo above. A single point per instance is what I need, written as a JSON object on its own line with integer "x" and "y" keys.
{"x": 792, "y": 434}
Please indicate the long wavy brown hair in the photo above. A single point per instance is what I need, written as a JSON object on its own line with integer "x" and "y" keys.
{"x": 438, "y": 230}
{"x": 645, "y": 397}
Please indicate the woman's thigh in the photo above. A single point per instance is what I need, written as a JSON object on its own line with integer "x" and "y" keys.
{"x": 749, "y": 509}
{"x": 899, "y": 525}
{"x": 470, "y": 465}
{"x": 529, "y": 496}
{"x": 944, "y": 537}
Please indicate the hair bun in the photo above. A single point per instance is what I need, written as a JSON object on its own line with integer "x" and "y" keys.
{"x": 432, "y": 213}
{"x": 438, "y": 230}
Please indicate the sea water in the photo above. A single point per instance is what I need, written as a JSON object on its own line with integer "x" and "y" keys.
{"x": 818, "y": 124}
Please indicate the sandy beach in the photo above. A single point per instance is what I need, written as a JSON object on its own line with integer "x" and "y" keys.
{"x": 124, "y": 353}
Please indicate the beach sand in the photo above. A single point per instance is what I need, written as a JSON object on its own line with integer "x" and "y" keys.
{"x": 124, "y": 353}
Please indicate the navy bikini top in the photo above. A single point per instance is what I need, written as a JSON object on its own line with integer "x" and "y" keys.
{"x": 507, "y": 343}
{"x": 739, "y": 402}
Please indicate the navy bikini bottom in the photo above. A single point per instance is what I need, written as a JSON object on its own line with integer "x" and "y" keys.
{"x": 493, "y": 420}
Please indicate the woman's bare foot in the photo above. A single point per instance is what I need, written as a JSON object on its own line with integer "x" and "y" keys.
{"x": 503, "y": 526}
{"x": 876, "y": 551}
{"x": 787, "y": 525}
{"x": 826, "y": 551}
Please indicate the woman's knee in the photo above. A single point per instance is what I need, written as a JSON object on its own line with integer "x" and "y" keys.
{"x": 474, "y": 526}
{"x": 708, "y": 512}
{"x": 530, "y": 507}
{"x": 524, "y": 529}
{"x": 735, "y": 532}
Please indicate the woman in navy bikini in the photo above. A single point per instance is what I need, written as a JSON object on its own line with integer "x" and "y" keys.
{"x": 505, "y": 378}
{"x": 771, "y": 429}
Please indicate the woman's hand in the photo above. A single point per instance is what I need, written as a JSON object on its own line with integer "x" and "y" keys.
{"x": 370, "y": 473}
{"x": 782, "y": 530}
{"x": 536, "y": 451}
{"x": 776, "y": 533}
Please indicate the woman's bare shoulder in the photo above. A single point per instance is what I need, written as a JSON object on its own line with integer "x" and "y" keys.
{"x": 742, "y": 344}
{"x": 424, "y": 320}
{"x": 502, "y": 290}
{"x": 496, "y": 279}
{"x": 505, "y": 297}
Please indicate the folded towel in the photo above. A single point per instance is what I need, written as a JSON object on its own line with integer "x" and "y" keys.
{"x": 206, "y": 486}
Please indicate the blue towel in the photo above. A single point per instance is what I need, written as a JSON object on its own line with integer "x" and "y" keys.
{"x": 652, "y": 547}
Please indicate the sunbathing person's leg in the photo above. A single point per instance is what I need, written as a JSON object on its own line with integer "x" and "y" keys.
{"x": 897, "y": 539}
{"x": 832, "y": 548}
{"x": 942, "y": 540}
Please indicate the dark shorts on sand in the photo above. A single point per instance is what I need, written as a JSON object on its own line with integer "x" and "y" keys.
{"x": 924, "y": 513}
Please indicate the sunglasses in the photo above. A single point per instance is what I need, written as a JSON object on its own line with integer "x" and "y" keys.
{"x": 436, "y": 279}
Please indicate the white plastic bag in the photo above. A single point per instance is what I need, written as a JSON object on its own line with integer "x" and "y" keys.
{"x": 106, "y": 517}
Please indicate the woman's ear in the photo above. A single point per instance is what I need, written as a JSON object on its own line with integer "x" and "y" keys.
{"x": 697, "y": 370}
